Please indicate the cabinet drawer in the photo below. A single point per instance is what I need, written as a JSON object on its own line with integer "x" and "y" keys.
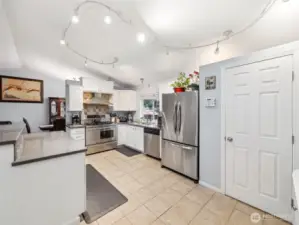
{"x": 78, "y": 136}
{"x": 77, "y": 131}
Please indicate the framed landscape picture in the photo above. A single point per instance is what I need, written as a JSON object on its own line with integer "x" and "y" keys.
{"x": 18, "y": 89}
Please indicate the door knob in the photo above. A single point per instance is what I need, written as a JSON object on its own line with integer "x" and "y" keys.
{"x": 230, "y": 139}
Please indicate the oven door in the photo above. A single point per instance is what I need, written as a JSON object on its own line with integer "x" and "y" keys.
{"x": 106, "y": 134}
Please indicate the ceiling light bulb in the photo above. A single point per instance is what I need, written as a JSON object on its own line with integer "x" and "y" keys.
{"x": 85, "y": 64}
{"x": 62, "y": 42}
{"x": 141, "y": 37}
{"x": 75, "y": 19}
{"x": 107, "y": 20}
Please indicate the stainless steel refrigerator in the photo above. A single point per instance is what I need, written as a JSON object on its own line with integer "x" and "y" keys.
{"x": 180, "y": 133}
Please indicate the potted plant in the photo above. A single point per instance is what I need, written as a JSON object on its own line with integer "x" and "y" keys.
{"x": 181, "y": 83}
{"x": 194, "y": 78}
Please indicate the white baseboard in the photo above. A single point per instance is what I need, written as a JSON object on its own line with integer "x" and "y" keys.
{"x": 202, "y": 183}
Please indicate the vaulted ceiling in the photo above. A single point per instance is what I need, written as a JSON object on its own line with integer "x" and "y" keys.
{"x": 37, "y": 27}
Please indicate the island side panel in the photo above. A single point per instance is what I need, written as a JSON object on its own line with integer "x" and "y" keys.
{"x": 48, "y": 192}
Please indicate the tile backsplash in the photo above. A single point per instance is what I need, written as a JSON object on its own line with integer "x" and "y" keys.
{"x": 96, "y": 109}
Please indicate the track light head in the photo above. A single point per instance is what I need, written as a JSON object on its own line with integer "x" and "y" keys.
{"x": 217, "y": 50}
{"x": 75, "y": 19}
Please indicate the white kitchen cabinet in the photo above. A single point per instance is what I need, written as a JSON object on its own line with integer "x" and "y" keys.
{"x": 131, "y": 136}
{"x": 121, "y": 134}
{"x": 125, "y": 100}
{"x": 75, "y": 98}
{"x": 97, "y": 85}
{"x": 139, "y": 138}
{"x": 76, "y": 133}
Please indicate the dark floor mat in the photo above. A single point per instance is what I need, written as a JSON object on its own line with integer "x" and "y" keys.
{"x": 127, "y": 151}
{"x": 102, "y": 196}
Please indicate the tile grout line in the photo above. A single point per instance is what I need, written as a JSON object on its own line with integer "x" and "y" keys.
{"x": 204, "y": 205}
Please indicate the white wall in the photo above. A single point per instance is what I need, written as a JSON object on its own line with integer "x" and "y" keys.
{"x": 8, "y": 52}
{"x": 278, "y": 27}
{"x": 35, "y": 113}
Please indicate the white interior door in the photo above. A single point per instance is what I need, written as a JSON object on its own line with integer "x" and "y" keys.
{"x": 259, "y": 134}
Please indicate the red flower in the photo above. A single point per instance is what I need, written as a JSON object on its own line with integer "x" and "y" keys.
{"x": 190, "y": 75}
{"x": 195, "y": 72}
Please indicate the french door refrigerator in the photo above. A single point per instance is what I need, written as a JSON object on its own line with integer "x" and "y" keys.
{"x": 180, "y": 133}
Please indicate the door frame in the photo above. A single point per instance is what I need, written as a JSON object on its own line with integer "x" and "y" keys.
{"x": 275, "y": 52}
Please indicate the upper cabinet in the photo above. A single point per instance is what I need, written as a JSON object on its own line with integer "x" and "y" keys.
{"x": 125, "y": 100}
{"x": 74, "y": 98}
{"x": 97, "y": 85}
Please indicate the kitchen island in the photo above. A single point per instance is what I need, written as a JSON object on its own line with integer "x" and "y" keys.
{"x": 42, "y": 177}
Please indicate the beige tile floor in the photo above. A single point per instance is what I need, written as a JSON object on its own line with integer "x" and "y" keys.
{"x": 158, "y": 196}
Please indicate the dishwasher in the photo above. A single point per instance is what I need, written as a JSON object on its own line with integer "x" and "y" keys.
{"x": 152, "y": 142}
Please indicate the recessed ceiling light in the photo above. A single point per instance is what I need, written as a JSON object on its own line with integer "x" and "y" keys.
{"x": 62, "y": 42}
{"x": 141, "y": 37}
{"x": 107, "y": 20}
{"x": 75, "y": 19}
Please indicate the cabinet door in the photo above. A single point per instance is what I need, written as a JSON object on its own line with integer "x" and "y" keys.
{"x": 120, "y": 134}
{"x": 131, "y": 136}
{"x": 132, "y": 97}
{"x": 139, "y": 138}
{"x": 75, "y": 98}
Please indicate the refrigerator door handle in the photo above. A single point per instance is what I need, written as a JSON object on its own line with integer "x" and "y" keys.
{"x": 179, "y": 117}
{"x": 174, "y": 117}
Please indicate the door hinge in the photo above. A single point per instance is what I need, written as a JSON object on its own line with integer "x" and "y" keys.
{"x": 293, "y": 139}
{"x": 293, "y": 75}
{"x": 293, "y": 205}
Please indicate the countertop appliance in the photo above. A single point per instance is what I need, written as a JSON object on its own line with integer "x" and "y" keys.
{"x": 180, "y": 133}
{"x": 152, "y": 142}
{"x": 100, "y": 137}
{"x": 76, "y": 119}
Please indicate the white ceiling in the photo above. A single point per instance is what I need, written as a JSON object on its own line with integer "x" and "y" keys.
{"x": 37, "y": 26}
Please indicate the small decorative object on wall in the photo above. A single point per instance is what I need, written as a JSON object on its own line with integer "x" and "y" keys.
{"x": 181, "y": 83}
{"x": 194, "y": 78}
{"x": 18, "y": 89}
{"x": 210, "y": 83}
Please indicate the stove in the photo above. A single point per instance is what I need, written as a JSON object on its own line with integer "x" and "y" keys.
{"x": 101, "y": 135}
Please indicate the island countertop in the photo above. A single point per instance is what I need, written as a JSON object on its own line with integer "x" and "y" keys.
{"x": 9, "y": 134}
{"x": 41, "y": 146}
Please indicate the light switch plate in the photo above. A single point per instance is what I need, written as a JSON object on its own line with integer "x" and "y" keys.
{"x": 210, "y": 102}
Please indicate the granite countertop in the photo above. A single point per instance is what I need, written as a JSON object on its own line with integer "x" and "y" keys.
{"x": 46, "y": 145}
{"x": 141, "y": 125}
{"x": 75, "y": 126}
{"x": 9, "y": 134}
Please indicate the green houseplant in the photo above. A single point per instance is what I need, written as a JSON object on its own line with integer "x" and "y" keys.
{"x": 181, "y": 83}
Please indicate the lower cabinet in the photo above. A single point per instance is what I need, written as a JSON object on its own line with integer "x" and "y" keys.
{"x": 131, "y": 136}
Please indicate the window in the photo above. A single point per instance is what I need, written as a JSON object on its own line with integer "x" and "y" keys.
{"x": 149, "y": 109}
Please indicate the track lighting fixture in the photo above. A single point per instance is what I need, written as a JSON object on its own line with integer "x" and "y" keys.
{"x": 85, "y": 63}
{"x": 217, "y": 49}
{"x": 75, "y": 19}
{"x": 140, "y": 37}
{"x": 62, "y": 42}
{"x": 107, "y": 19}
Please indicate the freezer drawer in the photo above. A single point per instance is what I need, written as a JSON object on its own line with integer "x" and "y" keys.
{"x": 181, "y": 158}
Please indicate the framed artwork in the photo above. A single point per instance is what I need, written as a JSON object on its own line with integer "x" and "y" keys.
{"x": 18, "y": 89}
{"x": 210, "y": 83}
